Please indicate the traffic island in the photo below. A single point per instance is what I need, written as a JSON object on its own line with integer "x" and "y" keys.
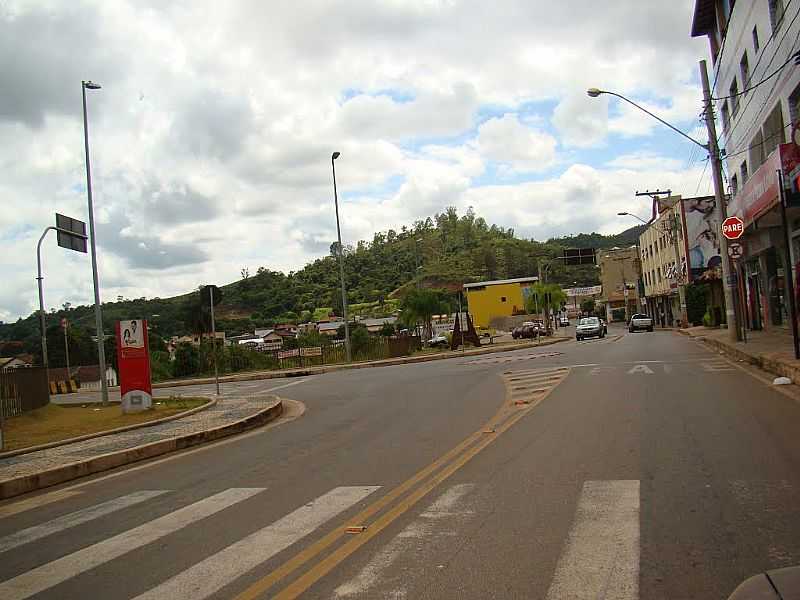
{"x": 51, "y": 466}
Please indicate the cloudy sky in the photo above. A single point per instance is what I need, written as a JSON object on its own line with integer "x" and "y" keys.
{"x": 211, "y": 137}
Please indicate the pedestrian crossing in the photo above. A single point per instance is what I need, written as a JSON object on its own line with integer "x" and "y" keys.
{"x": 530, "y": 386}
{"x": 503, "y": 360}
{"x": 599, "y": 558}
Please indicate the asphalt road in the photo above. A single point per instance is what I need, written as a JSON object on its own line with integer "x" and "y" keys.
{"x": 637, "y": 466}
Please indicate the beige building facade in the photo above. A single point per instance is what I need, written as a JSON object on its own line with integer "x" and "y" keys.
{"x": 663, "y": 248}
{"x": 620, "y": 271}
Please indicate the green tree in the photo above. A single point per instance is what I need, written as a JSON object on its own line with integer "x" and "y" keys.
{"x": 587, "y": 306}
{"x": 696, "y": 302}
{"x": 187, "y": 360}
{"x": 359, "y": 339}
{"x": 549, "y": 295}
{"x": 387, "y": 330}
{"x": 420, "y": 305}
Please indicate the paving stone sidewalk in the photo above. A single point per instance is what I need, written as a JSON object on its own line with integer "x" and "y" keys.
{"x": 227, "y": 410}
{"x": 770, "y": 350}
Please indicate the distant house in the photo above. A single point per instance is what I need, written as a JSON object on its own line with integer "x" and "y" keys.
{"x": 268, "y": 335}
{"x": 375, "y": 325}
{"x": 12, "y": 362}
{"x": 286, "y": 333}
{"x": 87, "y": 375}
{"x": 329, "y": 329}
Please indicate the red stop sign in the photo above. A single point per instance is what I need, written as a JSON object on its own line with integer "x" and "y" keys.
{"x": 733, "y": 228}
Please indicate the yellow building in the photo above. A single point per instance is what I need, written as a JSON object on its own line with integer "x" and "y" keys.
{"x": 488, "y": 300}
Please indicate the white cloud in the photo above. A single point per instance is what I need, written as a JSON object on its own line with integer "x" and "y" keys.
{"x": 508, "y": 141}
{"x": 211, "y": 138}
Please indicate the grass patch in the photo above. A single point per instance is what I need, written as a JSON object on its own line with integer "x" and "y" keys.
{"x": 53, "y": 423}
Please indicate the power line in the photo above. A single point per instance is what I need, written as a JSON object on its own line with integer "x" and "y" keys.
{"x": 751, "y": 97}
{"x": 697, "y": 189}
{"x": 774, "y": 135}
{"x": 794, "y": 57}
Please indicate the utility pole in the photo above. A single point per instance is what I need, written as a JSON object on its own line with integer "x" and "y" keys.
{"x": 64, "y": 325}
{"x": 728, "y": 274}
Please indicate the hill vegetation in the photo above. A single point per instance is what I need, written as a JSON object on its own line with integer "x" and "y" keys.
{"x": 441, "y": 253}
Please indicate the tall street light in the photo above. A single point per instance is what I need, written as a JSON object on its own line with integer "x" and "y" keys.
{"x": 627, "y": 214}
{"x": 98, "y": 313}
{"x": 334, "y": 156}
{"x": 711, "y": 147}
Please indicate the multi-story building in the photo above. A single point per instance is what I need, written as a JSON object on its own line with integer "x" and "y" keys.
{"x": 756, "y": 87}
{"x": 620, "y": 272}
{"x": 663, "y": 248}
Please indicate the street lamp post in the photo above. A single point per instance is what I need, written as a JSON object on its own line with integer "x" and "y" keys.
{"x": 98, "y": 313}
{"x": 719, "y": 193}
{"x": 348, "y": 353}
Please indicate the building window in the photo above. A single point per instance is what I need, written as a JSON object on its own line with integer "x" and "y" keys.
{"x": 733, "y": 91}
{"x": 743, "y": 171}
{"x": 755, "y": 38}
{"x": 744, "y": 69}
{"x": 776, "y": 11}
{"x": 734, "y": 185}
{"x": 726, "y": 115}
{"x": 755, "y": 152}
{"x": 773, "y": 130}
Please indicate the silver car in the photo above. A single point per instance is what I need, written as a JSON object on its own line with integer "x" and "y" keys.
{"x": 589, "y": 327}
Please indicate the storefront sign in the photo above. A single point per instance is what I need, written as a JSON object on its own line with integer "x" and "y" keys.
{"x": 594, "y": 290}
{"x": 133, "y": 359}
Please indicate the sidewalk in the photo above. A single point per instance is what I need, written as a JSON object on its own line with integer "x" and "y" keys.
{"x": 42, "y": 468}
{"x": 771, "y": 350}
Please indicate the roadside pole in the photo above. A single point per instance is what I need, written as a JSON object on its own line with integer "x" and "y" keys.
{"x": 787, "y": 269}
{"x": 728, "y": 274}
{"x": 64, "y": 325}
{"x": 213, "y": 337}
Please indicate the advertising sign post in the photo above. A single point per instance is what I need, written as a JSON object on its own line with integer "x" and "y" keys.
{"x": 133, "y": 360}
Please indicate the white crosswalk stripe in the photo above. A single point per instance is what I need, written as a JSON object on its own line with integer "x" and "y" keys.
{"x": 51, "y": 574}
{"x": 601, "y": 555}
{"x": 73, "y": 519}
{"x": 439, "y": 520}
{"x": 215, "y": 572}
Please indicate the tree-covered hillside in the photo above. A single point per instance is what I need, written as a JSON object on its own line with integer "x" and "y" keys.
{"x": 442, "y": 252}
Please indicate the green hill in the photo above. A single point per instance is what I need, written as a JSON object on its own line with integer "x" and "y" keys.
{"x": 442, "y": 252}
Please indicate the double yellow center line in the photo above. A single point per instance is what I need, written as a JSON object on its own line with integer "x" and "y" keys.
{"x": 421, "y": 483}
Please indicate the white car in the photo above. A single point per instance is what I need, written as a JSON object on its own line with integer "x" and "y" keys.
{"x": 564, "y": 322}
{"x": 438, "y": 340}
{"x": 640, "y": 323}
{"x": 589, "y": 327}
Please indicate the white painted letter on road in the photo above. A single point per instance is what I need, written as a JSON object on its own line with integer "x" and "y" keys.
{"x": 640, "y": 369}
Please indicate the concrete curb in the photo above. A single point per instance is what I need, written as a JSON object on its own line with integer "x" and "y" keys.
{"x": 765, "y": 363}
{"x": 98, "y": 434}
{"x": 390, "y": 362}
{"x": 28, "y": 483}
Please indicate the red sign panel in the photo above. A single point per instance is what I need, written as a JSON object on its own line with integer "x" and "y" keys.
{"x": 760, "y": 192}
{"x": 733, "y": 228}
{"x": 133, "y": 360}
